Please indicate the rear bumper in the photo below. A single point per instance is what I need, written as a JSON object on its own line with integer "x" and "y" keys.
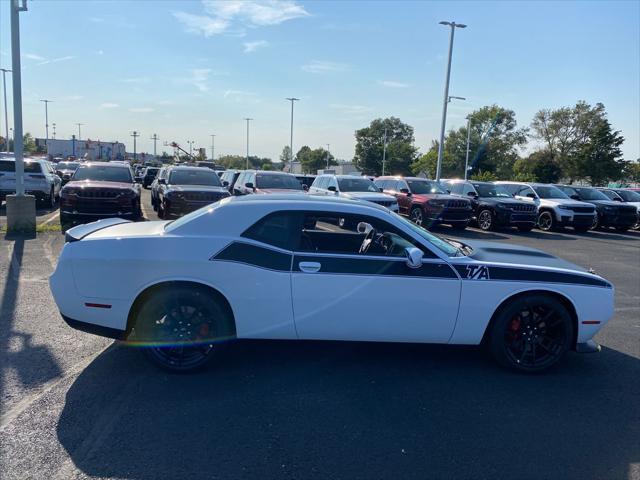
{"x": 449, "y": 216}
{"x": 95, "y": 329}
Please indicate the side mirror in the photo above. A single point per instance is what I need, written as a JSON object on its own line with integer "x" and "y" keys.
{"x": 531, "y": 195}
{"x": 305, "y": 188}
{"x": 162, "y": 181}
{"x": 331, "y": 188}
{"x": 249, "y": 185}
{"x": 225, "y": 183}
{"x": 574, "y": 196}
{"x": 380, "y": 189}
{"x": 405, "y": 190}
{"x": 449, "y": 191}
{"x": 137, "y": 179}
{"x": 414, "y": 257}
{"x": 472, "y": 194}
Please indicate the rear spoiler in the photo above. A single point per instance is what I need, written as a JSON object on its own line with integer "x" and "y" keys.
{"x": 78, "y": 233}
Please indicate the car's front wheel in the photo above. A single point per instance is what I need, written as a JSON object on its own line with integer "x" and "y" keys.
{"x": 416, "y": 216}
{"x": 531, "y": 334}
{"x": 486, "y": 220}
{"x": 546, "y": 221}
{"x": 178, "y": 326}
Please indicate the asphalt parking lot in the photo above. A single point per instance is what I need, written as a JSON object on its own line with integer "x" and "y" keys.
{"x": 78, "y": 406}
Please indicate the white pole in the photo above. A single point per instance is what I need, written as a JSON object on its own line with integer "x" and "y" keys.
{"x": 466, "y": 162}
{"x": 328, "y": 155}
{"x": 213, "y": 148}
{"x": 17, "y": 96}
{"x": 384, "y": 150}
{"x": 6, "y": 114}
{"x": 291, "y": 99}
{"x": 445, "y": 101}
{"x": 247, "y": 162}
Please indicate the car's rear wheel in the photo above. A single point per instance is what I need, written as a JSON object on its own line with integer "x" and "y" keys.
{"x": 486, "y": 220}
{"x": 178, "y": 326}
{"x": 415, "y": 215}
{"x": 531, "y": 334}
{"x": 546, "y": 221}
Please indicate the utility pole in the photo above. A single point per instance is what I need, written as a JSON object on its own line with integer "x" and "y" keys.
{"x": 46, "y": 120}
{"x": 247, "y": 163}
{"x": 155, "y": 139}
{"x": 328, "y": 154}
{"x": 190, "y": 142}
{"x": 466, "y": 162}
{"x": 453, "y": 26}
{"x": 213, "y": 148}
{"x": 135, "y": 135}
{"x": 291, "y": 99}
{"x": 54, "y": 131}
{"x": 79, "y": 131}
{"x": 384, "y": 150}
{"x": 6, "y": 115}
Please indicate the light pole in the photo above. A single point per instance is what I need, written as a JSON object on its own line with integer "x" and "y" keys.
{"x": 247, "y": 162}
{"x": 6, "y": 115}
{"x": 54, "y": 130}
{"x": 292, "y": 100}
{"x": 213, "y": 147}
{"x": 155, "y": 139}
{"x": 135, "y": 135}
{"x": 453, "y": 26}
{"x": 191, "y": 142}
{"x": 466, "y": 162}
{"x": 384, "y": 149}
{"x": 328, "y": 155}
{"x": 46, "y": 120}
{"x": 80, "y": 131}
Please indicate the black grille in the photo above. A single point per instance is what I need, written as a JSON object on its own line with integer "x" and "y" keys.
{"x": 100, "y": 207}
{"x": 203, "y": 196}
{"x": 523, "y": 208}
{"x": 627, "y": 210}
{"x": 457, "y": 204}
{"x": 99, "y": 193}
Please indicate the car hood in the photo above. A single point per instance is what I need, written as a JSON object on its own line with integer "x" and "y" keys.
{"x": 100, "y": 184}
{"x": 423, "y": 197}
{"x": 125, "y": 229}
{"x": 278, "y": 190}
{"x": 496, "y": 252}
{"x": 503, "y": 200}
{"x": 565, "y": 202}
{"x": 605, "y": 203}
{"x": 369, "y": 196}
{"x": 196, "y": 188}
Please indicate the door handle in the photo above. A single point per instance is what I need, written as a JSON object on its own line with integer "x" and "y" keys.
{"x": 309, "y": 267}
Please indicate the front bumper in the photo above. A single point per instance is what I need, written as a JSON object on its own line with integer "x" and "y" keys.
{"x": 449, "y": 216}
{"x": 576, "y": 220}
{"x": 509, "y": 218}
{"x": 618, "y": 220}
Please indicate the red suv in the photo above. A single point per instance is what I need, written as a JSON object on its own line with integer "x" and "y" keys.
{"x": 426, "y": 203}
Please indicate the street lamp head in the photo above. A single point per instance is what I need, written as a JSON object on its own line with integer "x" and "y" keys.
{"x": 445, "y": 23}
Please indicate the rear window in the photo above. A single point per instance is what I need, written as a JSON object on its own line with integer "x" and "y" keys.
{"x": 283, "y": 181}
{"x": 103, "y": 174}
{"x": 195, "y": 177}
{"x": 29, "y": 167}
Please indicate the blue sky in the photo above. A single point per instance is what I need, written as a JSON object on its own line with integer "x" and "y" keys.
{"x": 187, "y": 69}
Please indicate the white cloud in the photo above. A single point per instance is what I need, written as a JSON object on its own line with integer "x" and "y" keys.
{"x": 72, "y": 98}
{"x": 350, "y": 109}
{"x": 136, "y": 80}
{"x": 253, "y": 46}
{"x": 142, "y": 110}
{"x": 33, "y": 56}
{"x": 392, "y": 84}
{"x": 239, "y": 95}
{"x": 56, "y": 60}
{"x": 199, "y": 77}
{"x": 319, "y": 66}
{"x": 109, "y": 105}
{"x": 229, "y": 16}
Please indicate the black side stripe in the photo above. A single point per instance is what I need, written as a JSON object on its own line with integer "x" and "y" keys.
{"x": 374, "y": 266}
{"x": 254, "y": 255}
{"x": 531, "y": 275}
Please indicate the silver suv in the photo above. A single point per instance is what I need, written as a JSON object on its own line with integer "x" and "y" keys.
{"x": 555, "y": 208}
{"x": 40, "y": 180}
{"x": 352, "y": 186}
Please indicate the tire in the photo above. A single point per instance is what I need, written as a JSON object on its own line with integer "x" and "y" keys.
{"x": 547, "y": 221}
{"x": 524, "y": 229}
{"x": 582, "y": 229}
{"x": 160, "y": 210}
{"x": 179, "y": 325}
{"x": 486, "y": 220}
{"x": 596, "y": 223}
{"x": 65, "y": 221}
{"x": 520, "y": 331}
{"x": 48, "y": 201}
{"x": 416, "y": 215}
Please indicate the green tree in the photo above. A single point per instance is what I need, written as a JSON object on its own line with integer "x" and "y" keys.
{"x": 267, "y": 166}
{"x": 600, "y": 160}
{"x": 540, "y": 166}
{"x": 401, "y": 152}
{"x": 426, "y": 164}
{"x": 29, "y": 144}
{"x": 285, "y": 156}
{"x": 484, "y": 176}
{"x": 632, "y": 171}
{"x": 313, "y": 160}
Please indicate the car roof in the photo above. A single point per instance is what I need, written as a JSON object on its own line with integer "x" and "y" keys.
{"x": 400, "y": 177}
{"x": 105, "y": 164}
{"x": 301, "y": 199}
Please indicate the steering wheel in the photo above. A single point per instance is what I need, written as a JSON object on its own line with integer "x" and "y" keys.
{"x": 368, "y": 240}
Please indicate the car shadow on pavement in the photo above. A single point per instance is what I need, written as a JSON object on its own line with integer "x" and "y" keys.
{"x": 352, "y": 410}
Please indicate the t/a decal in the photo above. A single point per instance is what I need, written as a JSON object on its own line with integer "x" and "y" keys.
{"x": 477, "y": 272}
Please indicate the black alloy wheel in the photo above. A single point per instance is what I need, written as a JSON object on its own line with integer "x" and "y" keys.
{"x": 532, "y": 334}
{"x": 546, "y": 221}
{"x": 178, "y": 327}
{"x": 486, "y": 220}
{"x": 416, "y": 216}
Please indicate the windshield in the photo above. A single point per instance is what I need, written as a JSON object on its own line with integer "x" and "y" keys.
{"x": 611, "y": 194}
{"x": 194, "y": 177}
{"x": 591, "y": 194}
{"x": 67, "y": 165}
{"x": 425, "y": 187}
{"x": 357, "y": 185}
{"x": 102, "y": 174}
{"x": 629, "y": 195}
{"x": 548, "y": 191}
{"x": 442, "y": 244}
{"x": 487, "y": 190}
{"x": 278, "y": 181}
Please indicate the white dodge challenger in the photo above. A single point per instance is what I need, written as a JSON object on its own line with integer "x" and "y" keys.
{"x": 280, "y": 267}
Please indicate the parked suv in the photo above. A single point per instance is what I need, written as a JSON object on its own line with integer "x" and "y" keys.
{"x": 555, "y": 208}
{"x": 40, "y": 180}
{"x": 100, "y": 190}
{"x": 149, "y": 176}
{"x": 258, "y": 181}
{"x": 426, "y": 202}
{"x": 628, "y": 197}
{"x": 186, "y": 189}
{"x": 352, "y": 186}
{"x": 162, "y": 173}
{"x": 229, "y": 178}
{"x": 65, "y": 170}
{"x": 494, "y": 206}
{"x": 609, "y": 213}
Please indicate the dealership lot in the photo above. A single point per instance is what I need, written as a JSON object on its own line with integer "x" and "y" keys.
{"x": 79, "y": 406}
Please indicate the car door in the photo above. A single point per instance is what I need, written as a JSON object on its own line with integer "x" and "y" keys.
{"x": 403, "y": 195}
{"x": 526, "y": 194}
{"x": 344, "y": 295}
{"x": 468, "y": 189}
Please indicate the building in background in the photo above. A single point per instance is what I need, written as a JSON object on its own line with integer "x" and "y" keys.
{"x": 86, "y": 149}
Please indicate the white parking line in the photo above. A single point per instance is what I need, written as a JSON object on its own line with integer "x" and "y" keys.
{"x": 51, "y": 218}
{"x": 145, "y": 213}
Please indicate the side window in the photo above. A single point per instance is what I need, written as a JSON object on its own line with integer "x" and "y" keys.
{"x": 467, "y": 188}
{"x": 332, "y": 183}
{"x": 400, "y": 185}
{"x": 512, "y": 189}
{"x": 524, "y": 191}
{"x": 280, "y": 229}
{"x": 241, "y": 178}
{"x": 320, "y": 182}
{"x": 381, "y": 184}
{"x": 251, "y": 178}
{"x": 455, "y": 188}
